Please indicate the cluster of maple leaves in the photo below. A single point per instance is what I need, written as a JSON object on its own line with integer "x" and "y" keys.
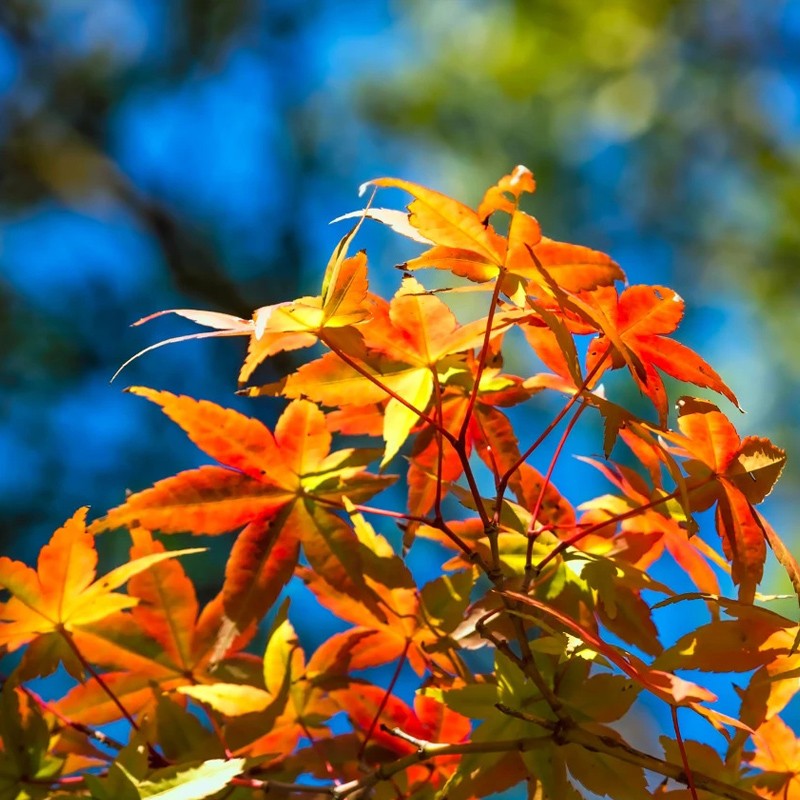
{"x": 539, "y": 634}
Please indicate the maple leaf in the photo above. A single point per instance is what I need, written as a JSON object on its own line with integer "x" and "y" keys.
{"x": 778, "y": 755}
{"x": 633, "y": 325}
{"x": 773, "y": 686}
{"x": 406, "y": 348}
{"x": 25, "y": 759}
{"x": 733, "y": 473}
{"x": 50, "y": 604}
{"x": 668, "y": 687}
{"x": 465, "y": 243}
{"x": 261, "y": 472}
{"x": 297, "y": 699}
{"x": 755, "y": 637}
{"x": 429, "y": 721}
{"x": 291, "y": 477}
{"x": 168, "y": 641}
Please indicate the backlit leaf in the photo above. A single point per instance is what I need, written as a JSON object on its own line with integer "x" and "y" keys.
{"x": 443, "y": 220}
{"x": 633, "y": 324}
{"x": 65, "y": 594}
{"x": 194, "y": 783}
{"x": 229, "y": 699}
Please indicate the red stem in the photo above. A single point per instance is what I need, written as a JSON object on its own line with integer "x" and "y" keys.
{"x": 321, "y": 756}
{"x": 439, "y": 524}
{"x": 543, "y": 490}
{"x": 462, "y": 434}
{"x": 437, "y": 503}
{"x": 381, "y": 512}
{"x": 380, "y": 384}
{"x": 69, "y": 780}
{"x": 97, "y": 677}
{"x": 385, "y": 700}
{"x": 687, "y": 770}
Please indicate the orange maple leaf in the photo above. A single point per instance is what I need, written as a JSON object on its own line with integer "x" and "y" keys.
{"x": 61, "y": 596}
{"x": 465, "y": 244}
{"x": 291, "y": 478}
{"x": 734, "y": 473}
{"x": 261, "y": 473}
{"x": 644, "y": 537}
{"x": 402, "y": 624}
{"x": 632, "y": 328}
{"x": 287, "y": 325}
{"x": 778, "y": 754}
{"x": 193, "y": 646}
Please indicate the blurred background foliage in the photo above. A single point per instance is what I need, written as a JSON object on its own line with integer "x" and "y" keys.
{"x": 168, "y": 153}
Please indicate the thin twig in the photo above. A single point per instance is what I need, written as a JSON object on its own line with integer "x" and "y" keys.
{"x": 67, "y": 636}
{"x": 484, "y": 354}
{"x": 400, "y": 663}
{"x": 506, "y": 477}
{"x": 364, "y": 372}
{"x": 684, "y": 756}
{"x": 437, "y": 502}
{"x": 80, "y": 727}
{"x": 420, "y": 744}
{"x": 471, "y": 555}
{"x": 543, "y": 490}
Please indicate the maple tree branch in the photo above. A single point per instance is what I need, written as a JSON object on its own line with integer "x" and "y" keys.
{"x": 622, "y": 751}
{"x": 406, "y": 737}
{"x": 473, "y": 556}
{"x": 80, "y": 727}
{"x": 476, "y": 495}
{"x": 429, "y": 750}
{"x": 462, "y": 434}
{"x": 493, "y": 535}
{"x": 267, "y": 785}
